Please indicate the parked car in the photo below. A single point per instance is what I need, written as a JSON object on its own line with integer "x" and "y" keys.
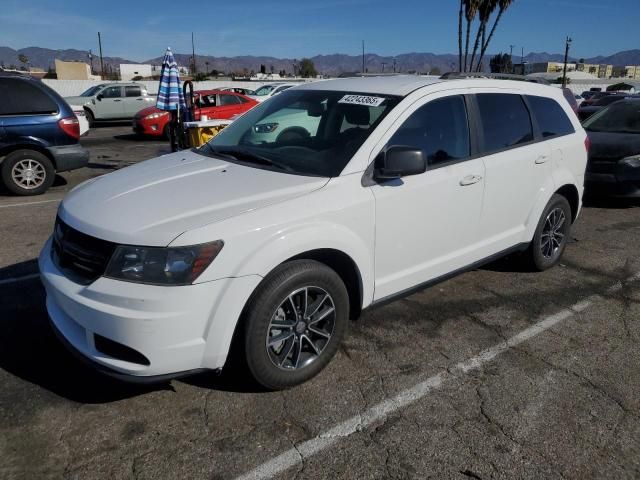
{"x": 113, "y": 101}
{"x": 277, "y": 244}
{"x": 214, "y": 104}
{"x": 240, "y": 90}
{"x": 78, "y": 111}
{"x": 588, "y": 109}
{"x": 587, "y": 94}
{"x": 38, "y": 135}
{"x": 614, "y": 157}
{"x": 595, "y": 97}
{"x": 267, "y": 91}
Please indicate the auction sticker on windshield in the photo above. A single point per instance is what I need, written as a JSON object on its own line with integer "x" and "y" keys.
{"x": 362, "y": 100}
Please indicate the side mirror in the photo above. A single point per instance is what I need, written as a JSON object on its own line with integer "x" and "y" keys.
{"x": 99, "y": 97}
{"x": 400, "y": 161}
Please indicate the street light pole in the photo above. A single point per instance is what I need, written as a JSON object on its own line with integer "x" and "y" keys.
{"x": 566, "y": 59}
{"x": 193, "y": 52}
{"x": 101, "y": 61}
{"x": 363, "y": 57}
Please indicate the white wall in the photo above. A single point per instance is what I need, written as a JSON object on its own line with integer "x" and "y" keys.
{"x": 131, "y": 70}
{"x": 70, "y": 88}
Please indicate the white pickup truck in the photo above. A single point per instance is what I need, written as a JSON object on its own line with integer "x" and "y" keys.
{"x": 113, "y": 101}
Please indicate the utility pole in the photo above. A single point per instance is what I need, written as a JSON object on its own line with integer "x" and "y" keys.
{"x": 91, "y": 60}
{"x": 511, "y": 57}
{"x": 363, "y": 57}
{"x": 193, "y": 53}
{"x": 394, "y": 65}
{"x": 566, "y": 59}
{"x": 101, "y": 61}
{"x": 383, "y": 64}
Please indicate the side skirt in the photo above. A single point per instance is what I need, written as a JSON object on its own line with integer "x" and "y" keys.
{"x": 521, "y": 247}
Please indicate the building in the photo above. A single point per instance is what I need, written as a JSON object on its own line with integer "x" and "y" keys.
{"x": 74, "y": 71}
{"x": 128, "y": 71}
{"x": 545, "y": 67}
{"x": 591, "y": 68}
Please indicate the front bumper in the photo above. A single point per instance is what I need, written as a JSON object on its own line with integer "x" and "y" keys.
{"x": 177, "y": 329}
{"x": 146, "y": 128}
{"x": 69, "y": 157}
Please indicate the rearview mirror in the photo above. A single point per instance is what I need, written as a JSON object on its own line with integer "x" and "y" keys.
{"x": 400, "y": 161}
{"x": 99, "y": 97}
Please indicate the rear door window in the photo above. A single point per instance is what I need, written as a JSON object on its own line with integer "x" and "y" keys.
{"x": 505, "y": 121}
{"x": 22, "y": 97}
{"x": 551, "y": 117}
{"x": 439, "y": 128}
{"x": 133, "y": 91}
{"x": 228, "y": 100}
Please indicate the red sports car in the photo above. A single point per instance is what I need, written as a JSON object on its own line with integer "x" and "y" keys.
{"x": 210, "y": 103}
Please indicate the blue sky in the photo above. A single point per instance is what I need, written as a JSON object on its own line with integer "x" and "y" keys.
{"x": 139, "y": 30}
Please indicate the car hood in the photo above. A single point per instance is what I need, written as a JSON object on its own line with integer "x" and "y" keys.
{"x": 153, "y": 202}
{"x": 613, "y": 146}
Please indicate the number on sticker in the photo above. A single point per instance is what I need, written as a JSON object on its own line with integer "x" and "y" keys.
{"x": 362, "y": 100}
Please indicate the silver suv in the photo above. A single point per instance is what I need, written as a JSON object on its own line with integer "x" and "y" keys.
{"x": 113, "y": 101}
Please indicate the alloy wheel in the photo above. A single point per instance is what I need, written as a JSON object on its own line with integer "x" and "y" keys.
{"x": 28, "y": 174}
{"x": 553, "y": 235}
{"x": 301, "y": 328}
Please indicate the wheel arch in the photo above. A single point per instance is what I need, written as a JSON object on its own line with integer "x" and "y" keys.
{"x": 570, "y": 192}
{"x": 27, "y": 146}
{"x": 347, "y": 270}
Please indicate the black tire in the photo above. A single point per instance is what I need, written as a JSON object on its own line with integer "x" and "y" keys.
{"x": 90, "y": 118}
{"x": 18, "y": 161}
{"x": 268, "y": 301}
{"x": 546, "y": 249}
{"x": 166, "y": 131}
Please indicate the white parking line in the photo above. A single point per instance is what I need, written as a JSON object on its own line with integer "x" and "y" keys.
{"x": 411, "y": 395}
{"x": 19, "y": 279}
{"x": 26, "y": 204}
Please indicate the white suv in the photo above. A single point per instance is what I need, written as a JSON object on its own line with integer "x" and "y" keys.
{"x": 270, "y": 241}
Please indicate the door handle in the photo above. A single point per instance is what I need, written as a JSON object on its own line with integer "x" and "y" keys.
{"x": 117, "y": 100}
{"x": 139, "y": 99}
{"x": 542, "y": 159}
{"x": 470, "y": 180}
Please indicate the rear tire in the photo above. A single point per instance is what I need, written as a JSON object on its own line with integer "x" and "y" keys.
{"x": 285, "y": 346}
{"x": 90, "y": 118}
{"x": 27, "y": 172}
{"x": 551, "y": 235}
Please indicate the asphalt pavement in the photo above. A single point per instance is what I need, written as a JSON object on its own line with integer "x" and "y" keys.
{"x": 497, "y": 373}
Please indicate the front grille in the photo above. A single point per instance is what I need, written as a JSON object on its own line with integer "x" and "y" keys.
{"x": 81, "y": 258}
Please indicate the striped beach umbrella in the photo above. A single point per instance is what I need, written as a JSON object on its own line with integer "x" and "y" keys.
{"x": 170, "y": 95}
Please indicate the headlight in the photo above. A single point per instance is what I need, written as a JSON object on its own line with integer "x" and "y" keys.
{"x": 153, "y": 116}
{"x": 265, "y": 127}
{"x": 162, "y": 266}
{"x": 632, "y": 161}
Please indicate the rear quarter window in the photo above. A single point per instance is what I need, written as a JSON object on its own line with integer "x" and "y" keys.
{"x": 22, "y": 97}
{"x": 550, "y": 116}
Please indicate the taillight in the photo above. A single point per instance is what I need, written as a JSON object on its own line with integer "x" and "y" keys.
{"x": 587, "y": 144}
{"x": 70, "y": 126}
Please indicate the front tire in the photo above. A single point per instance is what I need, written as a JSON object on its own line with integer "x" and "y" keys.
{"x": 90, "y": 117}
{"x": 294, "y": 323}
{"x": 27, "y": 172}
{"x": 551, "y": 235}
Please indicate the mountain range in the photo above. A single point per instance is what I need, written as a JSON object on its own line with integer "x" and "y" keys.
{"x": 333, "y": 64}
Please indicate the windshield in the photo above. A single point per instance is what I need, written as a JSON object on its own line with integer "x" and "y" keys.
{"x": 622, "y": 117}
{"x": 265, "y": 90}
{"x": 90, "y": 92}
{"x": 305, "y": 132}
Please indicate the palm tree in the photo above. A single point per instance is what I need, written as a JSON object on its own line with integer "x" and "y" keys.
{"x": 485, "y": 10}
{"x": 460, "y": 14}
{"x": 471, "y": 10}
{"x": 503, "y": 4}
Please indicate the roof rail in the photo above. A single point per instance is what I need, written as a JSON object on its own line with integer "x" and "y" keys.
{"x": 499, "y": 76}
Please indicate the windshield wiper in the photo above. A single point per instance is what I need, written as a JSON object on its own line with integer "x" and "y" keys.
{"x": 248, "y": 157}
